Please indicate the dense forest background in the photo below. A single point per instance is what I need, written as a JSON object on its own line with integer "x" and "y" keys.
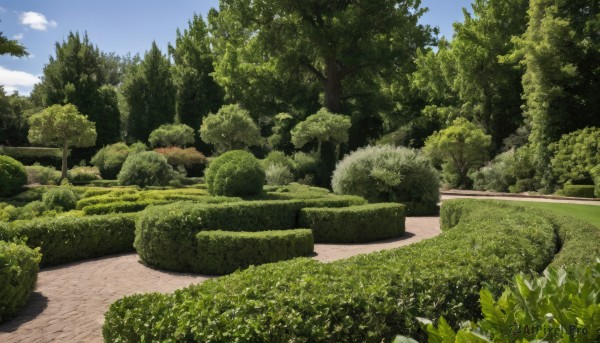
{"x": 524, "y": 72}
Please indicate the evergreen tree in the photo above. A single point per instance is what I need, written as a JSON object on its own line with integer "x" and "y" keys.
{"x": 149, "y": 92}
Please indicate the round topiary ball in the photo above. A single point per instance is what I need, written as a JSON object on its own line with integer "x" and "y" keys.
{"x": 389, "y": 174}
{"x": 60, "y": 199}
{"x": 235, "y": 173}
{"x": 146, "y": 169}
{"x": 13, "y": 176}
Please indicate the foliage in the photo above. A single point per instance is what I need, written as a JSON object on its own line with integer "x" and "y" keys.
{"x": 230, "y": 128}
{"x": 574, "y": 156}
{"x": 61, "y": 199}
{"x": 172, "y": 135}
{"x": 68, "y": 239}
{"x": 197, "y": 92}
{"x": 78, "y": 74}
{"x": 64, "y": 127}
{"x": 305, "y": 166}
{"x": 512, "y": 171}
{"x": 366, "y": 298}
{"x": 468, "y": 75}
{"x": 110, "y": 158}
{"x": 84, "y": 174}
{"x": 145, "y": 169}
{"x": 278, "y": 175}
{"x": 149, "y": 92}
{"x": 386, "y": 173}
{"x": 13, "y": 176}
{"x": 281, "y": 138}
{"x": 595, "y": 172}
{"x": 235, "y": 173}
{"x": 461, "y": 148}
{"x": 42, "y": 175}
{"x": 561, "y": 306}
{"x": 19, "y": 266}
{"x": 578, "y": 191}
{"x": 11, "y": 47}
{"x": 275, "y": 56}
{"x": 14, "y": 110}
{"x": 189, "y": 157}
{"x": 559, "y": 52}
{"x": 321, "y": 127}
{"x": 354, "y": 224}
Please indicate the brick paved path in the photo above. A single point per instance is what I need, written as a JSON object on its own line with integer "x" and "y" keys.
{"x": 70, "y": 300}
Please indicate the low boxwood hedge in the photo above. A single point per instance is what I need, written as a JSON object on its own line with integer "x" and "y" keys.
{"x": 68, "y": 239}
{"x": 19, "y": 266}
{"x": 366, "y": 298}
{"x": 579, "y": 191}
{"x": 120, "y": 207}
{"x": 223, "y": 252}
{"x": 354, "y": 224}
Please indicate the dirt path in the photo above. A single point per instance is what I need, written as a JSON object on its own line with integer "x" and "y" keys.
{"x": 70, "y": 300}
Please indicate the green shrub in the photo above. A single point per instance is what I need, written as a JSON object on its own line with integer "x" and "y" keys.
{"x": 170, "y": 135}
{"x": 13, "y": 176}
{"x": 575, "y": 154}
{"x": 191, "y": 159}
{"x": 31, "y": 210}
{"x": 146, "y": 169}
{"x": 595, "y": 172}
{"x": 42, "y": 175}
{"x": 31, "y": 155}
{"x": 60, "y": 198}
{"x": 579, "y": 191}
{"x": 389, "y": 174}
{"x": 355, "y": 224}
{"x": 366, "y": 298}
{"x": 119, "y": 207}
{"x": 278, "y": 175}
{"x": 67, "y": 239}
{"x": 277, "y": 157}
{"x": 235, "y": 173}
{"x": 19, "y": 266}
{"x": 561, "y": 306}
{"x": 306, "y": 166}
{"x": 223, "y": 252}
{"x": 84, "y": 174}
{"x": 110, "y": 159}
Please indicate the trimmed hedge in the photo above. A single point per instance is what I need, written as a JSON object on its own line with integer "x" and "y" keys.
{"x": 235, "y": 173}
{"x": 120, "y": 207}
{"x": 355, "y": 224}
{"x": 19, "y": 266}
{"x": 68, "y": 239}
{"x": 366, "y": 298}
{"x": 165, "y": 235}
{"x": 223, "y": 252}
{"x": 579, "y": 191}
{"x": 13, "y": 176}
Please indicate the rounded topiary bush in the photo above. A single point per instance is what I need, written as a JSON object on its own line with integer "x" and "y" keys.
{"x": 235, "y": 173}
{"x": 60, "y": 199}
{"x": 12, "y": 176}
{"x": 110, "y": 159}
{"x": 389, "y": 174}
{"x": 19, "y": 266}
{"x": 146, "y": 169}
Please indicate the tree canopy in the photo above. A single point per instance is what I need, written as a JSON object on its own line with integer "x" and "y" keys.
{"x": 321, "y": 127}
{"x": 63, "y": 127}
{"x": 172, "y": 135}
{"x": 230, "y": 128}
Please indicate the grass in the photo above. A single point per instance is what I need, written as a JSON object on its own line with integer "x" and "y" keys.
{"x": 589, "y": 213}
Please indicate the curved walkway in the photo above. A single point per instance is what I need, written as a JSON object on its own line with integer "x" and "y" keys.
{"x": 70, "y": 300}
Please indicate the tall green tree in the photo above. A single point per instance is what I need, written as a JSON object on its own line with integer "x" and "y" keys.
{"x": 149, "y": 92}
{"x": 467, "y": 77}
{"x": 76, "y": 75}
{"x": 14, "y": 111}
{"x": 561, "y": 54}
{"x": 230, "y": 128}
{"x": 344, "y": 50}
{"x": 62, "y": 127}
{"x": 197, "y": 92}
{"x": 322, "y": 127}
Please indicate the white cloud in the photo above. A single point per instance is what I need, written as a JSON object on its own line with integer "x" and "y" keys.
{"x": 18, "y": 36}
{"x": 17, "y": 80}
{"x": 2, "y": 9}
{"x": 36, "y": 21}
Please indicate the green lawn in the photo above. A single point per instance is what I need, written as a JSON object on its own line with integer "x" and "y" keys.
{"x": 589, "y": 213}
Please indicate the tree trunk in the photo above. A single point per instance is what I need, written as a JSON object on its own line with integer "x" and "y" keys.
{"x": 65, "y": 152}
{"x": 333, "y": 87}
{"x": 319, "y": 144}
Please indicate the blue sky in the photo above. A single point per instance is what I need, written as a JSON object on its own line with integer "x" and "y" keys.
{"x": 122, "y": 26}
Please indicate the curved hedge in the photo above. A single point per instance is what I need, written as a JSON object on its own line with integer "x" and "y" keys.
{"x": 354, "y": 224}
{"x": 19, "y": 266}
{"x": 367, "y": 298}
{"x": 13, "y": 176}
{"x": 68, "y": 239}
{"x": 165, "y": 235}
{"x": 223, "y": 252}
